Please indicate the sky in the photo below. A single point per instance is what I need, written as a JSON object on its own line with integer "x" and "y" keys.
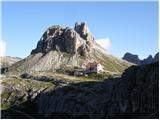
{"x": 119, "y": 26}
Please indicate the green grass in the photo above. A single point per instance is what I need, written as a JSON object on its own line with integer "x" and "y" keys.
{"x": 67, "y": 54}
{"x": 110, "y": 63}
{"x": 19, "y": 88}
{"x": 99, "y": 76}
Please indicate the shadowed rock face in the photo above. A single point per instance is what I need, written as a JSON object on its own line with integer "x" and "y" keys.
{"x": 131, "y": 58}
{"x": 135, "y": 59}
{"x": 156, "y": 57}
{"x": 134, "y": 95}
{"x": 148, "y": 60}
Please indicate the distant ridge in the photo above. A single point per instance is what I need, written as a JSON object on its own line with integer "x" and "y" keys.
{"x": 135, "y": 59}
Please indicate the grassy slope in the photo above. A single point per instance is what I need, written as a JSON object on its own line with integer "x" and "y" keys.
{"x": 14, "y": 88}
{"x": 110, "y": 63}
{"x": 46, "y": 62}
{"x": 7, "y": 61}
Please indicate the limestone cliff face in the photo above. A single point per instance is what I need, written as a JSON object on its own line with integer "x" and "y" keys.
{"x": 83, "y": 31}
{"x": 65, "y": 40}
{"x": 61, "y": 47}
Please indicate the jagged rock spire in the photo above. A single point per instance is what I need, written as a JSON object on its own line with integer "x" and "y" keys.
{"x": 65, "y": 40}
{"x": 83, "y": 30}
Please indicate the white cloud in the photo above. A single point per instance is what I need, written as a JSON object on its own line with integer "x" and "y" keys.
{"x": 104, "y": 42}
{"x": 2, "y": 48}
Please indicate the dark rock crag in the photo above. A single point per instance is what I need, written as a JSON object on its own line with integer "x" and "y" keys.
{"x": 131, "y": 58}
{"x": 156, "y": 57}
{"x": 135, "y": 59}
{"x": 134, "y": 95}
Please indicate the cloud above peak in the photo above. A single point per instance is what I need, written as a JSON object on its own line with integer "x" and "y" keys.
{"x": 104, "y": 42}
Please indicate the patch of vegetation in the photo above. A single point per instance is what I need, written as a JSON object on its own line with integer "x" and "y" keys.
{"x": 110, "y": 63}
{"x": 67, "y": 54}
{"x": 69, "y": 70}
{"x": 5, "y": 106}
{"x": 16, "y": 89}
{"x": 99, "y": 76}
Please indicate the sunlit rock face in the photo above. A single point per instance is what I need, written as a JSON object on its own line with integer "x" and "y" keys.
{"x": 77, "y": 40}
{"x": 83, "y": 30}
{"x": 61, "y": 47}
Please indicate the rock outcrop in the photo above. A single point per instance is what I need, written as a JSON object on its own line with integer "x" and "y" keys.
{"x": 148, "y": 60}
{"x": 156, "y": 57}
{"x": 135, "y": 59}
{"x": 131, "y": 58}
{"x": 134, "y": 95}
{"x": 63, "y": 47}
{"x": 83, "y": 30}
{"x": 65, "y": 40}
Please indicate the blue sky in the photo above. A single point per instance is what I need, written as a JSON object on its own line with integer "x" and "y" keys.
{"x": 131, "y": 26}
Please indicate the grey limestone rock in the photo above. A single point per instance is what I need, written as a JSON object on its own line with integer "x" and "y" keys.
{"x": 134, "y": 95}
{"x": 62, "y": 39}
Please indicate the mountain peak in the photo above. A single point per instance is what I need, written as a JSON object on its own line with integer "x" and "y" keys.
{"x": 135, "y": 59}
{"x": 65, "y": 40}
{"x": 83, "y": 30}
{"x": 63, "y": 47}
{"x": 131, "y": 58}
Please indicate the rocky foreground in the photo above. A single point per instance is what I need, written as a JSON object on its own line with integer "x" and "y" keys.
{"x": 133, "y": 95}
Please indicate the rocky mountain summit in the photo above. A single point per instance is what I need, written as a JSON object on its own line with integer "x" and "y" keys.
{"x": 66, "y": 40}
{"x": 135, "y": 59}
{"x": 133, "y": 95}
{"x": 44, "y": 85}
{"x": 64, "y": 47}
